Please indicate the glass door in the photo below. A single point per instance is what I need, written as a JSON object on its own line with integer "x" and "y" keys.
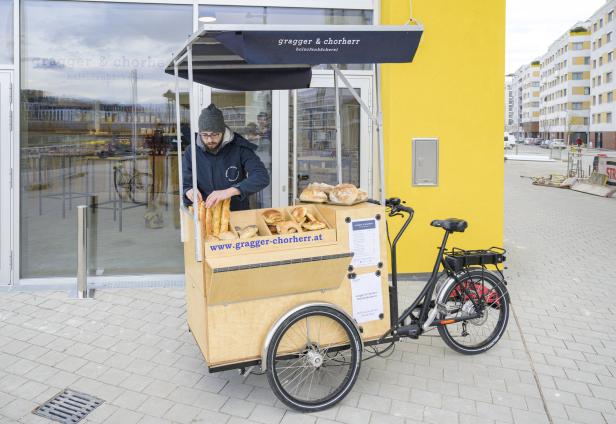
{"x": 312, "y": 121}
{"x": 6, "y": 235}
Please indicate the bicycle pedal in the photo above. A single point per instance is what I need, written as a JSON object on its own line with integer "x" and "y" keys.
{"x": 413, "y": 331}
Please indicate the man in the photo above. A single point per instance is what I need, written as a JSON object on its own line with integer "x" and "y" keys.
{"x": 227, "y": 166}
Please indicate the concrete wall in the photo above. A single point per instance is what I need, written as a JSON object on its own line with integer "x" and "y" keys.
{"x": 454, "y": 91}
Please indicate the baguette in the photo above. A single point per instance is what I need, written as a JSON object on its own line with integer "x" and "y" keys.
{"x": 208, "y": 221}
{"x": 202, "y": 213}
{"x": 226, "y": 215}
{"x": 216, "y": 218}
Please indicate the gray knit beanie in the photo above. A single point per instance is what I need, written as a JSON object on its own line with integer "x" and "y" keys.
{"x": 211, "y": 120}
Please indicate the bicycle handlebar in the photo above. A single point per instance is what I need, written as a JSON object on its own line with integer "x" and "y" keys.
{"x": 396, "y": 206}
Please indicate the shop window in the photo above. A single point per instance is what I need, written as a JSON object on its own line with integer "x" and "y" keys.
{"x": 6, "y": 32}
{"x": 316, "y": 137}
{"x": 98, "y": 128}
{"x": 250, "y": 114}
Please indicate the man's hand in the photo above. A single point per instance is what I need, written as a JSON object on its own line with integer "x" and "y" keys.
{"x": 189, "y": 195}
{"x": 220, "y": 195}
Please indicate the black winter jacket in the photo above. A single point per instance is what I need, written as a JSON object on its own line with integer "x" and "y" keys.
{"x": 235, "y": 165}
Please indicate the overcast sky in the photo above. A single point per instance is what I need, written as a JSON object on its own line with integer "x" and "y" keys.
{"x": 532, "y": 25}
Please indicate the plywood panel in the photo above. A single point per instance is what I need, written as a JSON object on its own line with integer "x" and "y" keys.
{"x": 235, "y": 332}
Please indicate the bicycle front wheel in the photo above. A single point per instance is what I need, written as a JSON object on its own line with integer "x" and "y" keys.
{"x": 475, "y": 293}
{"x": 314, "y": 358}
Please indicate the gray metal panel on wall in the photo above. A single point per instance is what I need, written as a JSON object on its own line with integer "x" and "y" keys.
{"x": 425, "y": 161}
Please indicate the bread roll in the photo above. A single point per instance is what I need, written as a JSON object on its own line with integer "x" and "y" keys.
{"x": 272, "y": 216}
{"x": 313, "y": 195}
{"x": 299, "y": 214}
{"x": 226, "y": 215}
{"x": 247, "y": 232}
{"x": 313, "y": 225}
{"x": 345, "y": 194}
{"x": 287, "y": 227}
{"x": 216, "y": 217}
{"x": 227, "y": 235}
{"x": 362, "y": 196}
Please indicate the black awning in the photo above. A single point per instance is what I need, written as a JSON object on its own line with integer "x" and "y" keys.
{"x": 276, "y": 57}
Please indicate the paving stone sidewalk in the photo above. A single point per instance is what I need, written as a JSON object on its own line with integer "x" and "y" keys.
{"x": 131, "y": 347}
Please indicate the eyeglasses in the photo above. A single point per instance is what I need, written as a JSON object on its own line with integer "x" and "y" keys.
{"x": 211, "y": 136}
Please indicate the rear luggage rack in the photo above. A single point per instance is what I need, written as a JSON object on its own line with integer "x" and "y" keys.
{"x": 459, "y": 259}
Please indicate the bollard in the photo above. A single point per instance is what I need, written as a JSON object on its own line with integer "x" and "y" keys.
{"x": 82, "y": 252}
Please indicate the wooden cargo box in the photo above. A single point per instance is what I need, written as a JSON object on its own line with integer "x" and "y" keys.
{"x": 242, "y": 287}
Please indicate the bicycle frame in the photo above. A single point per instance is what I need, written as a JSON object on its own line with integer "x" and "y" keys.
{"x": 425, "y": 296}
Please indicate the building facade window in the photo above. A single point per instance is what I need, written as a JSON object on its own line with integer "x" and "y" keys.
{"x": 608, "y": 77}
{"x": 6, "y": 32}
{"x": 586, "y": 90}
{"x": 608, "y": 37}
{"x": 608, "y": 117}
{"x": 610, "y": 97}
{"x": 577, "y": 75}
{"x": 98, "y": 125}
{"x": 578, "y": 45}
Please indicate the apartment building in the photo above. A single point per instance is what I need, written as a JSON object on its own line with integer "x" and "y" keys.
{"x": 565, "y": 86}
{"x": 603, "y": 89}
{"x": 508, "y": 104}
{"x": 530, "y": 84}
{"x": 516, "y": 103}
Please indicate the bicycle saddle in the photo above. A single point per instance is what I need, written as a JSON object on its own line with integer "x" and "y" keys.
{"x": 451, "y": 224}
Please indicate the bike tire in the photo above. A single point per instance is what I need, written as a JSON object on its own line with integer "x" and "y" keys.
{"x": 497, "y": 300}
{"x": 346, "y": 350}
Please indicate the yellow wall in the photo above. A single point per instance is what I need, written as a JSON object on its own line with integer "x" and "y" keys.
{"x": 454, "y": 90}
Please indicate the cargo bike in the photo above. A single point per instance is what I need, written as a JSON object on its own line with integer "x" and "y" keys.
{"x": 303, "y": 307}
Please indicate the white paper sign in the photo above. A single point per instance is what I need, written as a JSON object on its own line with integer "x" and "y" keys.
{"x": 367, "y": 297}
{"x": 364, "y": 242}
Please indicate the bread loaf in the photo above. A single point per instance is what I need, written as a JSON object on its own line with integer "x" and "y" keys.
{"x": 313, "y": 195}
{"x": 345, "y": 194}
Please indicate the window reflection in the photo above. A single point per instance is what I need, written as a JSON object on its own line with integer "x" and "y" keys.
{"x": 98, "y": 128}
{"x": 6, "y": 32}
{"x": 316, "y": 137}
{"x": 250, "y": 114}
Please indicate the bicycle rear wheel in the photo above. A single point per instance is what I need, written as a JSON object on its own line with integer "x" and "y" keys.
{"x": 476, "y": 292}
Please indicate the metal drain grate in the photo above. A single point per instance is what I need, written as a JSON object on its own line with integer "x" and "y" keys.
{"x": 68, "y": 406}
